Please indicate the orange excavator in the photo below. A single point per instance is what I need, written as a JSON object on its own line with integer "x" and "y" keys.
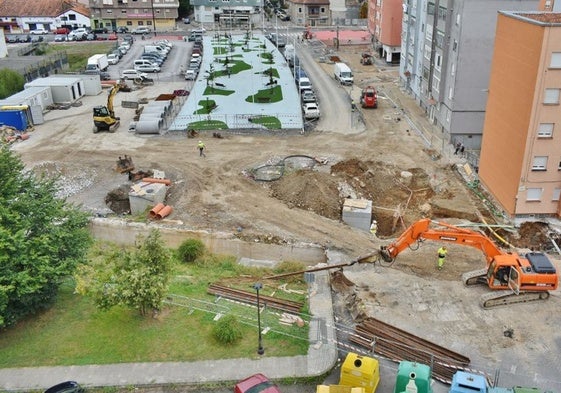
{"x": 514, "y": 278}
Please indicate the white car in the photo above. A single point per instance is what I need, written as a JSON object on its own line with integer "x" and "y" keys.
{"x": 39, "y": 31}
{"x": 147, "y": 68}
{"x": 141, "y": 30}
{"x": 78, "y": 34}
{"x": 190, "y": 75}
{"x": 112, "y": 58}
{"x": 311, "y": 110}
{"x": 133, "y": 74}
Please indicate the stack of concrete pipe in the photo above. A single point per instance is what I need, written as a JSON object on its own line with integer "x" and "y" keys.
{"x": 153, "y": 117}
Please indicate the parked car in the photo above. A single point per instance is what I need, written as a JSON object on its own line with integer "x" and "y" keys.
{"x": 100, "y": 30}
{"x": 132, "y": 74}
{"x": 39, "y": 31}
{"x": 66, "y": 387}
{"x": 308, "y": 96}
{"x": 91, "y": 37}
{"x": 257, "y": 383}
{"x": 311, "y": 110}
{"x": 148, "y": 68}
{"x": 142, "y": 30}
{"x": 12, "y": 39}
{"x": 112, "y": 58}
{"x": 153, "y": 60}
{"x": 122, "y": 29}
{"x": 186, "y": 20}
{"x": 62, "y": 30}
{"x": 60, "y": 38}
{"x": 78, "y": 34}
{"x": 190, "y": 75}
{"x": 112, "y": 37}
{"x": 129, "y": 38}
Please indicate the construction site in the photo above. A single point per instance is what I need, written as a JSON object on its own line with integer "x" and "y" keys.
{"x": 292, "y": 190}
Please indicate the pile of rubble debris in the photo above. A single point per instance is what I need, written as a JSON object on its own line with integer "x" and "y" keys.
{"x": 9, "y": 135}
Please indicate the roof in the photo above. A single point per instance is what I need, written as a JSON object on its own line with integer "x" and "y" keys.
{"x": 537, "y": 17}
{"x": 49, "y": 8}
{"x": 310, "y": 2}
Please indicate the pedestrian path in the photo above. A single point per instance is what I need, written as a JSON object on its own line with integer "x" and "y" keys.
{"x": 321, "y": 357}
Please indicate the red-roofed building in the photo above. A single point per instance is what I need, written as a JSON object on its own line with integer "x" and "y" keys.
{"x": 21, "y": 16}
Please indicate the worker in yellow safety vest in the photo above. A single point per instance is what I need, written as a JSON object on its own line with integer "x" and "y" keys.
{"x": 442, "y": 251}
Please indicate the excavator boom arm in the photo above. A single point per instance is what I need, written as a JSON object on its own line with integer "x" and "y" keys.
{"x": 421, "y": 230}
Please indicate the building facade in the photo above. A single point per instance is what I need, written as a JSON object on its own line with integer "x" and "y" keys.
{"x": 384, "y": 22}
{"x": 520, "y": 162}
{"x": 158, "y": 15}
{"x": 310, "y": 13}
{"x": 17, "y": 16}
{"x": 446, "y": 52}
{"x": 229, "y": 13}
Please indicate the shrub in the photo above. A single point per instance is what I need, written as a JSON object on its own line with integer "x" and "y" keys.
{"x": 190, "y": 250}
{"x": 227, "y": 330}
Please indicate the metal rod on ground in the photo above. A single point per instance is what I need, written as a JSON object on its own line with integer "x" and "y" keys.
{"x": 260, "y": 349}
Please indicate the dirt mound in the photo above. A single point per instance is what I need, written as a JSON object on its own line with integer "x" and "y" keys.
{"x": 392, "y": 190}
{"x": 309, "y": 190}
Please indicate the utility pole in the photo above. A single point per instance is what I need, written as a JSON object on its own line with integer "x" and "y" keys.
{"x": 337, "y": 39}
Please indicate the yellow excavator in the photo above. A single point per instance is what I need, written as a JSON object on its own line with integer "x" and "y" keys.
{"x": 103, "y": 116}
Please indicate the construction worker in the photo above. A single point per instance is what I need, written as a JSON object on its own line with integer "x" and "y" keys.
{"x": 201, "y": 147}
{"x": 374, "y": 228}
{"x": 442, "y": 251}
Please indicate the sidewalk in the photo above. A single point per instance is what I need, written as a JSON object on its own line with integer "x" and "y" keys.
{"x": 321, "y": 357}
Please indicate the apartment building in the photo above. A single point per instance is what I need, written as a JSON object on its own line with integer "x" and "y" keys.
{"x": 446, "y": 51}
{"x": 520, "y": 163}
{"x": 229, "y": 13}
{"x": 155, "y": 14}
{"x": 384, "y": 21}
{"x": 311, "y": 12}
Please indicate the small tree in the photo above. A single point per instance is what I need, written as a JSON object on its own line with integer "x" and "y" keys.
{"x": 137, "y": 279}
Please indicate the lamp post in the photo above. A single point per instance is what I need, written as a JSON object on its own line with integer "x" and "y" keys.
{"x": 260, "y": 349}
{"x": 153, "y": 17}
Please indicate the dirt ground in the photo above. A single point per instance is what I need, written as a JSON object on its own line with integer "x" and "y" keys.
{"x": 387, "y": 163}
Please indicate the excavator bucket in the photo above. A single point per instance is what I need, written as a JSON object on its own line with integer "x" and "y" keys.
{"x": 125, "y": 164}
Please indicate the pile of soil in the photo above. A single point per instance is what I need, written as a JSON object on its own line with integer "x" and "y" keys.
{"x": 118, "y": 199}
{"x": 309, "y": 190}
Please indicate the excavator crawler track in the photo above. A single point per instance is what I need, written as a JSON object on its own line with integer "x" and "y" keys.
{"x": 505, "y": 298}
{"x": 476, "y": 277}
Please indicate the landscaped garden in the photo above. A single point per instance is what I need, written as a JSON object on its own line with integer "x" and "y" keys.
{"x": 244, "y": 82}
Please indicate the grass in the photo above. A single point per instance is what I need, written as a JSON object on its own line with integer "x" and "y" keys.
{"x": 78, "y": 54}
{"x": 269, "y": 122}
{"x": 75, "y": 332}
{"x": 207, "y": 107}
{"x": 210, "y": 90}
{"x": 208, "y": 125}
{"x": 269, "y": 95}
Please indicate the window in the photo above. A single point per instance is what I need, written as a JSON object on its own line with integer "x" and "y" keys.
{"x": 545, "y": 130}
{"x": 451, "y": 93}
{"x": 299, "y": 9}
{"x": 539, "y": 163}
{"x": 453, "y": 70}
{"x": 322, "y": 10}
{"x": 455, "y": 45}
{"x": 430, "y": 9}
{"x": 551, "y": 97}
{"x": 556, "y": 194}
{"x": 437, "y": 61}
{"x": 123, "y": 11}
{"x": 555, "y": 60}
{"x": 534, "y": 194}
{"x": 129, "y": 23}
{"x": 458, "y": 17}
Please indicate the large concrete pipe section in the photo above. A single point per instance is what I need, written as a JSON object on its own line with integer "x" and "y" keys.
{"x": 149, "y": 126}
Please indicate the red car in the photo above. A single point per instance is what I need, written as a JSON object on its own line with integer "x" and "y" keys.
{"x": 257, "y": 383}
{"x": 112, "y": 37}
{"x": 62, "y": 30}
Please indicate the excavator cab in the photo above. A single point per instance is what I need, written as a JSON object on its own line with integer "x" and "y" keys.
{"x": 100, "y": 111}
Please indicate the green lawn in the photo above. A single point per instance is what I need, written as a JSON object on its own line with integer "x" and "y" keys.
{"x": 208, "y": 125}
{"x": 268, "y": 95}
{"x": 75, "y": 332}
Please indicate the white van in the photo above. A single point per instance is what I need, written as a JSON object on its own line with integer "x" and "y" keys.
{"x": 343, "y": 74}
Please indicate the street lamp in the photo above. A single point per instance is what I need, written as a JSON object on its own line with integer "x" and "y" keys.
{"x": 260, "y": 350}
{"x": 153, "y": 17}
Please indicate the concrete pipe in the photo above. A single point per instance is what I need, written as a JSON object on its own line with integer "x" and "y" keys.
{"x": 149, "y": 126}
{"x": 155, "y": 113}
{"x": 156, "y": 209}
{"x": 164, "y": 105}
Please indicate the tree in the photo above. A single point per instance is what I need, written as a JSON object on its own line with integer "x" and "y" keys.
{"x": 11, "y": 82}
{"x": 137, "y": 279}
{"x": 42, "y": 239}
